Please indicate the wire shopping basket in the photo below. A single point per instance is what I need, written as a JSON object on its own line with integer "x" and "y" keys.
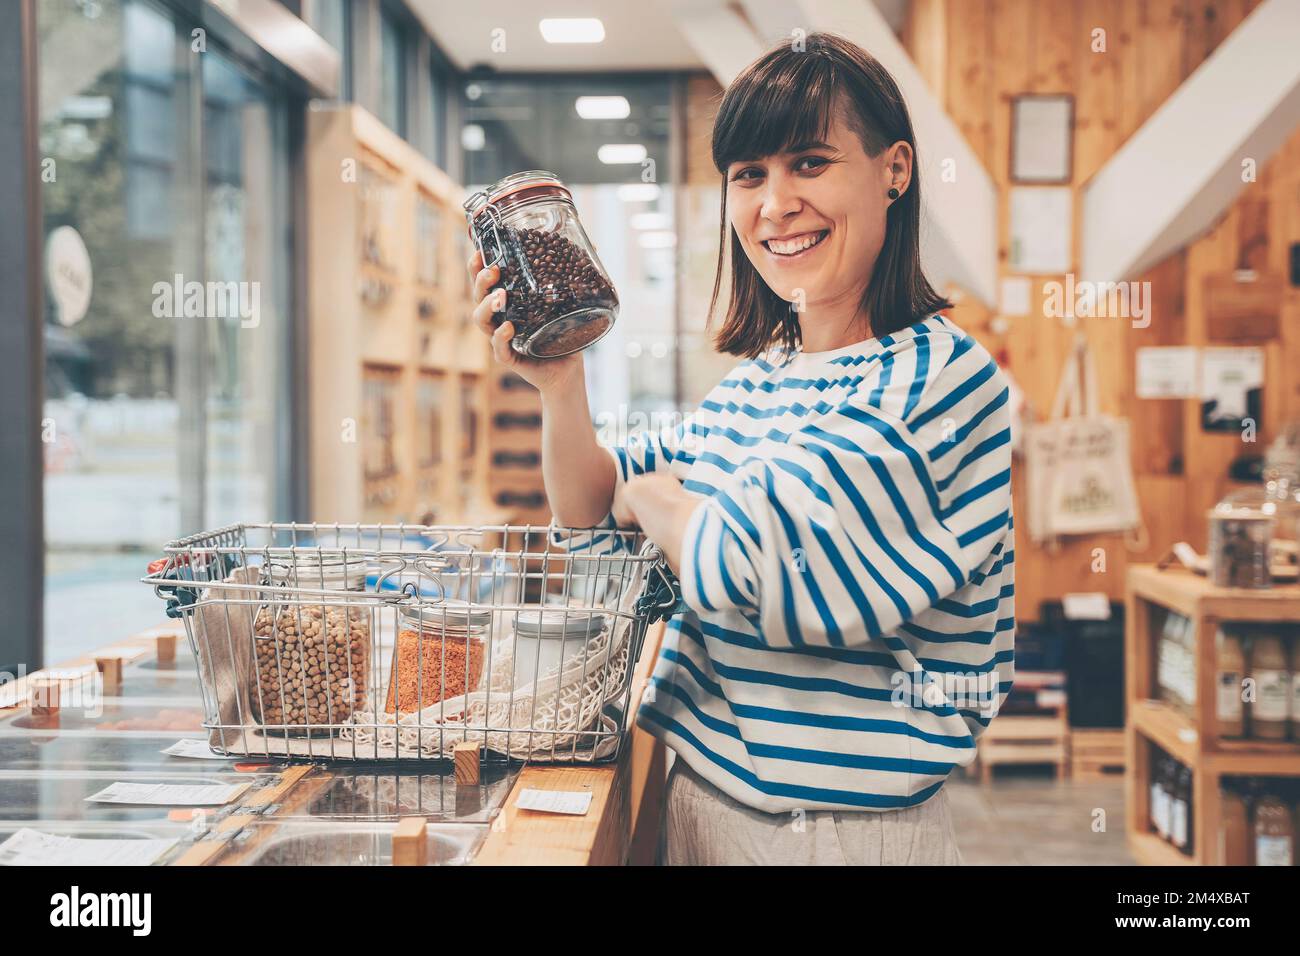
{"x": 382, "y": 642}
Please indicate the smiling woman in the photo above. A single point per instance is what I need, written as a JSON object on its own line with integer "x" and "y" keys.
{"x": 819, "y": 184}
{"x": 838, "y": 509}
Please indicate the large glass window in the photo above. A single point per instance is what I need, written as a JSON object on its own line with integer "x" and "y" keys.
{"x": 392, "y": 73}
{"x": 331, "y": 19}
{"x": 162, "y": 406}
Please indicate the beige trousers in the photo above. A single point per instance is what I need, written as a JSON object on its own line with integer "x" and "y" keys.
{"x": 705, "y": 827}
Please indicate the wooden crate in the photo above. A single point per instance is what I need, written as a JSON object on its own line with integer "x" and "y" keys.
{"x": 1024, "y": 739}
{"x": 1096, "y": 753}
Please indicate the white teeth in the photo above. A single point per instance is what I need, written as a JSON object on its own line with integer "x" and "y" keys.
{"x": 789, "y": 247}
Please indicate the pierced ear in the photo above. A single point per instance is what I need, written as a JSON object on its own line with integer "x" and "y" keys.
{"x": 900, "y": 165}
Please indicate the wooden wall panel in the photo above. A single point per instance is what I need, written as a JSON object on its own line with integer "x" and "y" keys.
{"x": 1000, "y": 48}
{"x": 977, "y": 55}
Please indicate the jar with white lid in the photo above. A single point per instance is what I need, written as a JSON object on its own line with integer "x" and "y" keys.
{"x": 312, "y": 650}
{"x": 558, "y": 295}
{"x": 550, "y": 639}
{"x": 439, "y": 654}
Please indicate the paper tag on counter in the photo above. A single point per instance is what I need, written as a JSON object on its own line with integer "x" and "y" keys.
{"x": 30, "y": 847}
{"x": 169, "y": 794}
{"x": 194, "y": 747}
{"x": 575, "y": 802}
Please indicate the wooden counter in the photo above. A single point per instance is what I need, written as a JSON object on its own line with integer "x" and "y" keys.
{"x": 621, "y": 825}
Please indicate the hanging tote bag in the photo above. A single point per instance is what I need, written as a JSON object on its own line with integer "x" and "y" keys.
{"x": 1078, "y": 473}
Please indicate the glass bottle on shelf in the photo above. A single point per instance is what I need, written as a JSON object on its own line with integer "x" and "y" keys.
{"x": 1159, "y": 795}
{"x": 1180, "y": 793}
{"x": 1269, "y": 713}
{"x": 1274, "y": 830}
{"x": 1234, "y": 825}
{"x": 1230, "y": 669}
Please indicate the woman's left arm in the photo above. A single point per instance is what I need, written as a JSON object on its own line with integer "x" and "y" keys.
{"x": 661, "y": 507}
{"x": 847, "y": 531}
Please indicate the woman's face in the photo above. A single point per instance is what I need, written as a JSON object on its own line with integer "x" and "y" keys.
{"x": 812, "y": 220}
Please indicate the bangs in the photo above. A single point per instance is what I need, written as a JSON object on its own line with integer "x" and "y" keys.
{"x": 784, "y": 100}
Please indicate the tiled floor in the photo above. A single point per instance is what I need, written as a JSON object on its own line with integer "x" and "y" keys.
{"x": 1023, "y": 817}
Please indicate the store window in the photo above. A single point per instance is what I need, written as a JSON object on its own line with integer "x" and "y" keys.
{"x": 561, "y": 124}
{"x": 435, "y": 144}
{"x": 332, "y": 20}
{"x": 392, "y": 78}
{"x": 157, "y": 424}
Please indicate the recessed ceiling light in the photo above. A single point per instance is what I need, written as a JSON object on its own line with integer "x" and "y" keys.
{"x": 602, "y": 107}
{"x": 615, "y": 153}
{"x": 572, "y": 30}
{"x": 638, "y": 192}
{"x": 658, "y": 240}
{"x": 651, "y": 220}
{"x": 472, "y": 137}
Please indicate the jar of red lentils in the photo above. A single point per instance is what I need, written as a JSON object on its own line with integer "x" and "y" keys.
{"x": 558, "y": 295}
{"x": 439, "y": 654}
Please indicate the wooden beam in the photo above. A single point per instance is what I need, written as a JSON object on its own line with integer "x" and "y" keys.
{"x": 1183, "y": 168}
{"x": 720, "y": 37}
{"x": 960, "y": 205}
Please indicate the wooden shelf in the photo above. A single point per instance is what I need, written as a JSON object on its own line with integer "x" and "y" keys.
{"x": 1171, "y": 731}
{"x": 1192, "y": 739}
{"x": 1192, "y": 595}
{"x": 413, "y": 219}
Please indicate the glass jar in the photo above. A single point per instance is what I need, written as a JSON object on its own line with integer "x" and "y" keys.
{"x": 1239, "y": 546}
{"x": 558, "y": 296}
{"x": 439, "y": 654}
{"x": 312, "y": 653}
{"x": 551, "y": 640}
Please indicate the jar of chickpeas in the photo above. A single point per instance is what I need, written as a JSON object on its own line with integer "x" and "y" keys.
{"x": 312, "y": 649}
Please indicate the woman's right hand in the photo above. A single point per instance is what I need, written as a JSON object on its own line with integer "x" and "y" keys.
{"x": 544, "y": 375}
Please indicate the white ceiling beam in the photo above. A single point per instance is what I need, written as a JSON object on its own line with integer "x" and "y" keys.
{"x": 1183, "y": 167}
{"x": 959, "y": 218}
{"x": 720, "y": 37}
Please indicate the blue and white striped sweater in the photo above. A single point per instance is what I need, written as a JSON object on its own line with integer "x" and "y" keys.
{"x": 849, "y": 573}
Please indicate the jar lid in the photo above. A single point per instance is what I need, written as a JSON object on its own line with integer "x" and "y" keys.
{"x": 447, "y": 617}
{"x": 1234, "y": 512}
{"x": 509, "y": 185}
{"x": 311, "y": 569}
{"x": 559, "y": 622}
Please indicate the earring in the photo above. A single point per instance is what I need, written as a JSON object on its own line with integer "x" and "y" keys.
{"x": 893, "y": 193}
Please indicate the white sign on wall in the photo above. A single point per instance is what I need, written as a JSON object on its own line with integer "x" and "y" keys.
{"x": 68, "y": 274}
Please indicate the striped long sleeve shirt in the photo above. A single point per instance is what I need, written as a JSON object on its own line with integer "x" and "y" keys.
{"x": 848, "y": 572}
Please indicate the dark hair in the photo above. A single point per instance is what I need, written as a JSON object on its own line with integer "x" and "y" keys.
{"x": 788, "y": 97}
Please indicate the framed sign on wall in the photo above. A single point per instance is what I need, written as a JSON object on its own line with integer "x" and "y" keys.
{"x": 1042, "y": 139}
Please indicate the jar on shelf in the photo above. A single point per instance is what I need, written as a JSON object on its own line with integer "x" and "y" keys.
{"x": 439, "y": 654}
{"x": 312, "y": 650}
{"x": 1239, "y": 545}
{"x": 558, "y": 295}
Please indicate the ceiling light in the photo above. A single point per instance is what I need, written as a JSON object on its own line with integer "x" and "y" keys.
{"x": 651, "y": 220}
{"x": 638, "y": 192}
{"x": 616, "y": 153}
{"x": 602, "y": 107}
{"x": 572, "y": 30}
{"x": 472, "y": 137}
{"x": 658, "y": 240}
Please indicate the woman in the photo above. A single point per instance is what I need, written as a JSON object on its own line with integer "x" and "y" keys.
{"x": 838, "y": 510}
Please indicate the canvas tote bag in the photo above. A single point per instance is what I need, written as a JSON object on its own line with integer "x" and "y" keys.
{"x": 1078, "y": 473}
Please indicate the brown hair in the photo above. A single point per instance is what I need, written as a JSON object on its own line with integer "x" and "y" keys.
{"x": 786, "y": 98}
